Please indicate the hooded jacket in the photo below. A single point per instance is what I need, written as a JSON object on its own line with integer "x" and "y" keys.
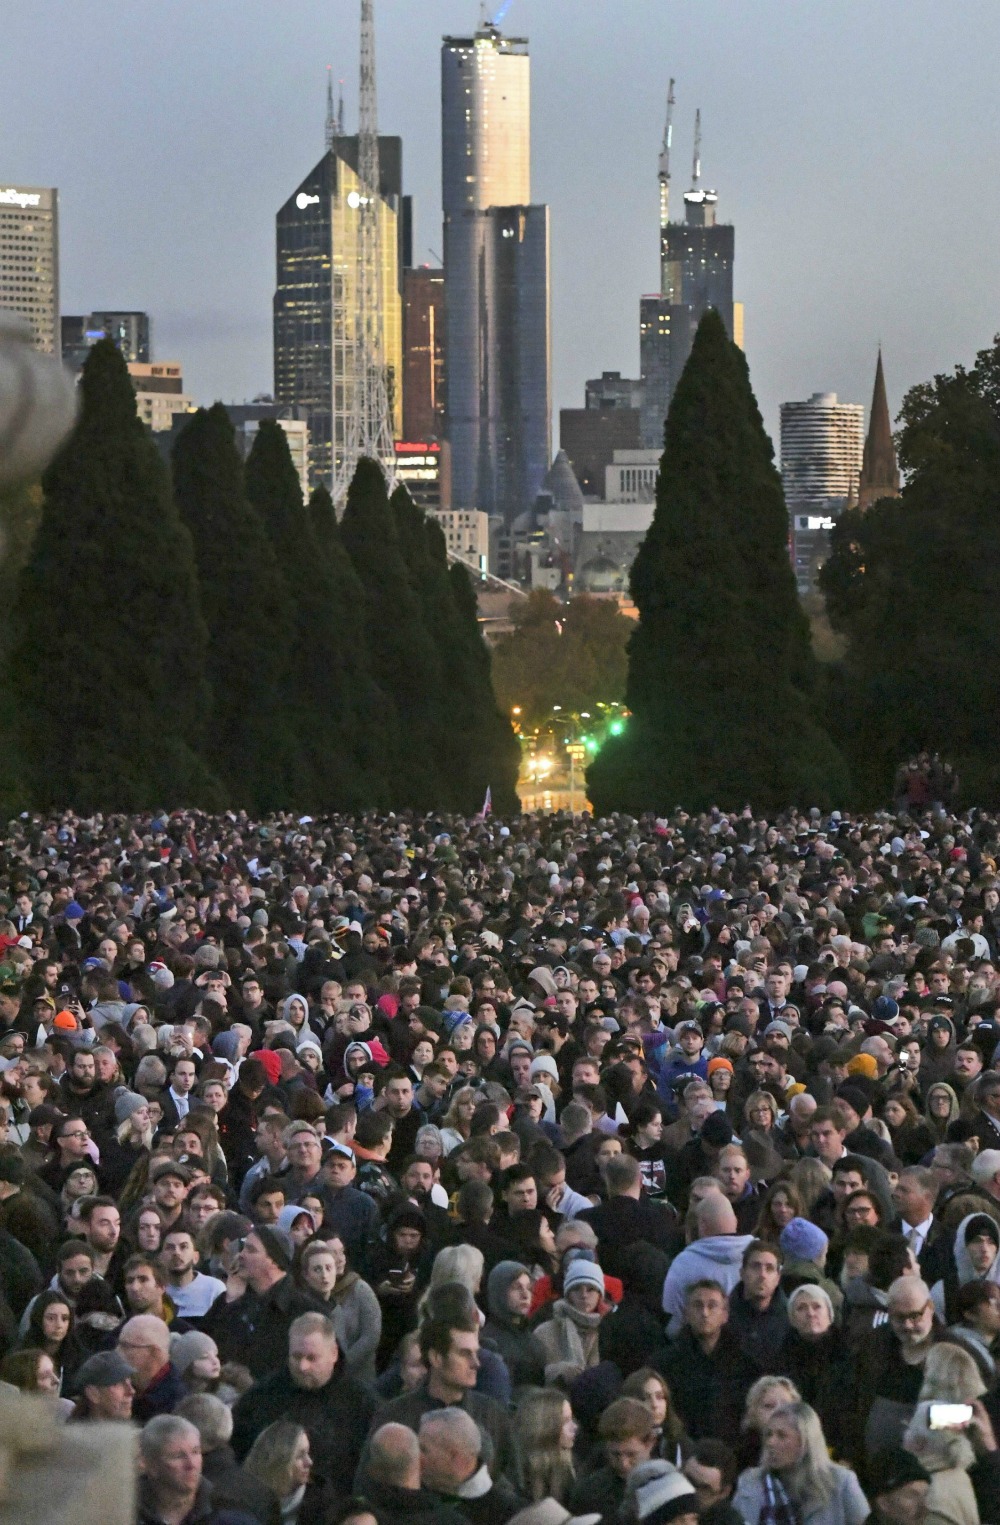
{"x": 962, "y": 1270}
{"x": 719, "y": 1257}
{"x": 511, "y": 1335}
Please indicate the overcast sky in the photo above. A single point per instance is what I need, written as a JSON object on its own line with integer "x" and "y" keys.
{"x": 854, "y": 144}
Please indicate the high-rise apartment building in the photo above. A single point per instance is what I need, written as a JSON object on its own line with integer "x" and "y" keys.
{"x": 159, "y": 393}
{"x": 821, "y": 452}
{"x": 666, "y": 332}
{"x": 423, "y": 353}
{"x": 129, "y": 330}
{"x": 498, "y": 415}
{"x": 315, "y": 297}
{"x": 29, "y": 259}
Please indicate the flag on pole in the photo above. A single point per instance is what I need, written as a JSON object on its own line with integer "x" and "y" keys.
{"x": 487, "y": 803}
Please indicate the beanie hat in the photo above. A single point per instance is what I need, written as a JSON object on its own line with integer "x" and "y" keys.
{"x": 660, "y": 1493}
{"x": 451, "y": 1021}
{"x": 187, "y": 1348}
{"x": 863, "y": 1064}
{"x": 802, "y": 1240}
{"x": 544, "y": 1065}
{"x": 64, "y": 1021}
{"x": 278, "y": 1244}
{"x": 74, "y": 911}
{"x": 779, "y": 1027}
{"x": 583, "y": 1273}
{"x": 885, "y": 1009}
{"x": 207, "y": 956}
{"x": 855, "y": 1097}
{"x": 716, "y": 1130}
{"x": 127, "y": 1104}
{"x": 271, "y": 1062}
{"x": 719, "y": 1063}
{"x": 161, "y": 976}
{"x": 982, "y": 1223}
{"x": 893, "y": 1467}
{"x": 106, "y": 1369}
{"x": 226, "y": 1046}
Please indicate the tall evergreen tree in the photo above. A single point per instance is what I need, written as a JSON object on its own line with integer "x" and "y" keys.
{"x": 107, "y": 665}
{"x": 720, "y": 668}
{"x": 911, "y": 582}
{"x": 248, "y": 612}
{"x": 493, "y": 752}
{"x": 404, "y": 660}
{"x": 323, "y": 657}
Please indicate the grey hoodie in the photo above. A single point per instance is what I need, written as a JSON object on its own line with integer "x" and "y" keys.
{"x": 717, "y": 1258}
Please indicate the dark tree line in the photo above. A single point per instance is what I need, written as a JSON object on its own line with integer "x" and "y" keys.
{"x": 200, "y": 635}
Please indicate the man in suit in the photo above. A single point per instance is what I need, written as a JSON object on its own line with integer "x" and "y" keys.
{"x": 987, "y": 1118}
{"x": 914, "y": 1195}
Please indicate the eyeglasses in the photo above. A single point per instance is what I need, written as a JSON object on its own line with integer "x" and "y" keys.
{"x": 77, "y": 1133}
{"x": 898, "y": 1316}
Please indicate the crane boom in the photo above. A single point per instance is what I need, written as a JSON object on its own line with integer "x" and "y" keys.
{"x": 668, "y": 134}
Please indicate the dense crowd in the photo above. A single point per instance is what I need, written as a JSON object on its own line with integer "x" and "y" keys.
{"x": 453, "y": 1172}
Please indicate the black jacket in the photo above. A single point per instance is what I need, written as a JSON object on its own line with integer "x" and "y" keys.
{"x": 621, "y": 1221}
{"x": 709, "y": 1390}
{"x": 409, "y": 1506}
{"x": 336, "y": 1418}
{"x": 254, "y": 1329}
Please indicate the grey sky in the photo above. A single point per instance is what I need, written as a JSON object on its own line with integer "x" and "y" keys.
{"x": 854, "y": 144}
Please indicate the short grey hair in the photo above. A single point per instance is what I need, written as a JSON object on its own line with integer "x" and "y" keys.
{"x": 160, "y": 1431}
{"x": 461, "y": 1430}
{"x": 985, "y": 1166}
{"x": 212, "y": 1418}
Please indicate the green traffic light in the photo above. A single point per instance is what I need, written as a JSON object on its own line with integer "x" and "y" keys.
{"x": 616, "y": 727}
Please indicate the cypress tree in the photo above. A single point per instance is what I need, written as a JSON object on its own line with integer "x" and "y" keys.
{"x": 319, "y": 677}
{"x": 404, "y": 661}
{"x": 247, "y": 610}
{"x": 108, "y": 657}
{"x": 720, "y": 668}
{"x": 323, "y": 517}
{"x": 492, "y": 751}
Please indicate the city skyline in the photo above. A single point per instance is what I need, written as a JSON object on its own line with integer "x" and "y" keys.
{"x": 839, "y": 145}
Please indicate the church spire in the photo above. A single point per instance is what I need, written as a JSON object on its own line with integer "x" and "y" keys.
{"x": 879, "y": 470}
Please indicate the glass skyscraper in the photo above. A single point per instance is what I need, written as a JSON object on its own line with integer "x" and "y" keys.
{"x": 314, "y": 299}
{"x": 498, "y": 415}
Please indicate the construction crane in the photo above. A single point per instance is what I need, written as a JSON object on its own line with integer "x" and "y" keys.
{"x": 696, "y": 166}
{"x": 668, "y": 134}
{"x": 331, "y": 115}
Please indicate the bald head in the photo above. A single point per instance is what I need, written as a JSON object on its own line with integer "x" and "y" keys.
{"x": 145, "y": 1329}
{"x": 394, "y": 1457}
{"x": 450, "y": 1446}
{"x": 715, "y": 1216}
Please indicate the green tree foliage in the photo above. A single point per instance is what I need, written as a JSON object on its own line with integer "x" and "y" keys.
{"x": 323, "y": 517}
{"x": 321, "y": 694}
{"x": 243, "y": 594}
{"x": 403, "y": 656}
{"x": 912, "y": 584}
{"x": 107, "y": 667}
{"x": 720, "y": 668}
{"x": 482, "y": 750}
{"x": 574, "y": 655}
{"x": 20, "y": 515}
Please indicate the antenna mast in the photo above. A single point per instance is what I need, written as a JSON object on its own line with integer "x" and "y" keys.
{"x": 668, "y": 135}
{"x": 368, "y": 429}
{"x": 696, "y": 167}
{"x": 331, "y": 120}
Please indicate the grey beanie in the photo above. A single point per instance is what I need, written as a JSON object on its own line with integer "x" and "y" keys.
{"x": 187, "y": 1348}
{"x": 127, "y": 1103}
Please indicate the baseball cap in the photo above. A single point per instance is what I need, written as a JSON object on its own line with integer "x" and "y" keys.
{"x": 105, "y": 1369}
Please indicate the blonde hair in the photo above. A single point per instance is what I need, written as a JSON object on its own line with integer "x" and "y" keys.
{"x": 270, "y": 1458}
{"x": 811, "y": 1482}
{"x": 756, "y": 1392}
{"x": 544, "y": 1469}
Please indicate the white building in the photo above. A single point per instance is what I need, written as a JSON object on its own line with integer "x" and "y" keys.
{"x": 466, "y": 534}
{"x": 159, "y": 392}
{"x": 822, "y": 443}
{"x": 631, "y": 477}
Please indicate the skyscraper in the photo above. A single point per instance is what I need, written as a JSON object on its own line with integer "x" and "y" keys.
{"x": 696, "y": 273}
{"x": 820, "y": 463}
{"x": 129, "y": 330}
{"x": 29, "y": 260}
{"x": 498, "y": 383}
{"x": 879, "y": 467}
{"x": 423, "y": 353}
{"x": 317, "y": 233}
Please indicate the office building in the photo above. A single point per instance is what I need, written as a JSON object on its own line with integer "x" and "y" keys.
{"x": 247, "y": 418}
{"x": 613, "y": 390}
{"x": 666, "y": 333}
{"x": 424, "y": 469}
{"x": 631, "y": 476}
{"x": 467, "y": 535}
{"x": 423, "y": 353}
{"x": 821, "y": 453}
{"x": 130, "y": 332}
{"x": 315, "y": 295}
{"x": 159, "y": 393}
{"x": 29, "y": 260}
{"x": 498, "y": 415}
{"x": 590, "y": 437}
{"x": 879, "y": 467}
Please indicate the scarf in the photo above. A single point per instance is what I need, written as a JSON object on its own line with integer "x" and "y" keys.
{"x": 777, "y": 1508}
{"x": 344, "y": 1284}
{"x": 563, "y": 1309}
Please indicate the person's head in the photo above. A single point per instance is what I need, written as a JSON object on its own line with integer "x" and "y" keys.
{"x": 915, "y": 1194}
{"x": 450, "y": 1349}
{"x": 793, "y": 1445}
{"x": 628, "y": 1432}
{"x": 764, "y": 1398}
{"x": 450, "y": 1445}
{"x": 583, "y": 1286}
{"x": 312, "y": 1351}
{"x": 911, "y": 1312}
{"x": 105, "y": 1383}
{"x": 733, "y": 1171}
{"x": 651, "y": 1389}
{"x": 145, "y": 1280}
{"x": 339, "y": 1167}
{"x": 212, "y": 1418}
{"x": 144, "y": 1341}
{"x": 72, "y": 1138}
{"x": 810, "y": 1311}
{"x": 827, "y": 1133}
{"x": 898, "y": 1484}
{"x": 303, "y": 1148}
{"x": 31, "y": 1371}
{"x": 170, "y": 1457}
{"x": 394, "y": 1457}
{"x": 264, "y": 1258}
{"x": 761, "y": 1272}
{"x": 711, "y": 1469}
{"x": 323, "y": 1263}
{"x": 179, "y": 1254}
{"x": 50, "y": 1320}
{"x": 280, "y": 1458}
{"x": 706, "y": 1308}
{"x": 978, "y": 1305}
{"x": 74, "y": 1266}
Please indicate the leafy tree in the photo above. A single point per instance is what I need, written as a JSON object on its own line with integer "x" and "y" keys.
{"x": 913, "y": 585}
{"x": 20, "y": 515}
{"x": 107, "y": 667}
{"x": 243, "y": 595}
{"x": 404, "y": 659}
{"x": 324, "y": 654}
{"x": 573, "y": 655}
{"x": 720, "y": 668}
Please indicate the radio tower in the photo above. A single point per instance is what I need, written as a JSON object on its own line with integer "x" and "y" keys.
{"x": 369, "y": 419}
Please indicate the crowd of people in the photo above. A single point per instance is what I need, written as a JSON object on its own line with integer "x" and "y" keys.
{"x": 423, "y": 1171}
